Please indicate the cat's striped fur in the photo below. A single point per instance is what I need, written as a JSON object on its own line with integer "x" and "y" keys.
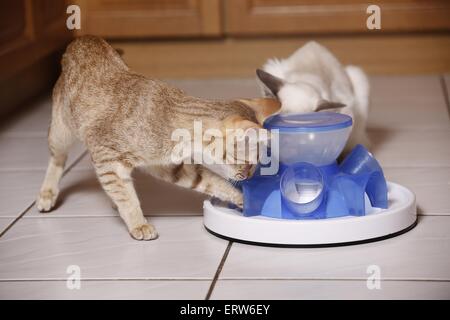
{"x": 125, "y": 120}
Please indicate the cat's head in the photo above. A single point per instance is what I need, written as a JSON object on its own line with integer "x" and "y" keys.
{"x": 295, "y": 97}
{"x": 241, "y": 142}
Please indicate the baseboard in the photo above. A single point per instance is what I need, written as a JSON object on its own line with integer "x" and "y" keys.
{"x": 422, "y": 53}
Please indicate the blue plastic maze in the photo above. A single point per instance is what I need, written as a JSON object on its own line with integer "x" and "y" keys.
{"x": 316, "y": 186}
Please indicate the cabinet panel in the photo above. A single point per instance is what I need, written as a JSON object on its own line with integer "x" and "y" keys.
{"x": 333, "y": 16}
{"x": 13, "y": 23}
{"x": 30, "y": 30}
{"x": 50, "y": 11}
{"x": 159, "y": 18}
{"x": 49, "y": 18}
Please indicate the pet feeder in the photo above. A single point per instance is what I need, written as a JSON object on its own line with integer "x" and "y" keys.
{"x": 312, "y": 200}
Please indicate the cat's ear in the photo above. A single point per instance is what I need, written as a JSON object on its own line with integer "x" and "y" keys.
{"x": 263, "y": 107}
{"x": 270, "y": 83}
{"x": 328, "y": 105}
{"x": 119, "y": 51}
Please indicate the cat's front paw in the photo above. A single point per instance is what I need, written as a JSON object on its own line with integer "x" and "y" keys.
{"x": 145, "y": 232}
{"x": 46, "y": 200}
{"x": 238, "y": 201}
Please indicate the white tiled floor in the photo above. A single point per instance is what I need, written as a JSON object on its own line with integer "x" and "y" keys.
{"x": 31, "y": 122}
{"x": 105, "y": 290}
{"x": 422, "y": 253}
{"x": 412, "y": 148}
{"x": 4, "y": 222}
{"x": 19, "y": 186}
{"x": 446, "y": 79}
{"x": 42, "y": 248}
{"x": 432, "y": 189}
{"x": 405, "y": 102}
{"x": 28, "y": 153}
{"x": 329, "y": 289}
{"x": 410, "y": 129}
{"x": 81, "y": 195}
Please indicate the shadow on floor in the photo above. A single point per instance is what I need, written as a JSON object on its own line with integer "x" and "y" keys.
{"x": 157, "y": 197}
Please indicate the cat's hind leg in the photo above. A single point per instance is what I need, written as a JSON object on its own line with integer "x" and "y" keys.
{"x": 60, "y": 139}
{"x": 115, "y": 178}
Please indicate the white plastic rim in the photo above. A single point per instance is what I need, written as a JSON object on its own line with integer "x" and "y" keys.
{"x": 400, "y": 217}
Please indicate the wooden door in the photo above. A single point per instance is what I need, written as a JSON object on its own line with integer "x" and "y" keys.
{"x": 30, "y": 30}
{"x": 244, "y": 17}
{"x": 156, "y": 18}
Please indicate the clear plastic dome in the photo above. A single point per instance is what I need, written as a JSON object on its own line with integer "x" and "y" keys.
{"x": 316, "y": 138}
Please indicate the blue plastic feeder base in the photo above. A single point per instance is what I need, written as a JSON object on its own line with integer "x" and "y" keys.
{"x": 304, "y": 191}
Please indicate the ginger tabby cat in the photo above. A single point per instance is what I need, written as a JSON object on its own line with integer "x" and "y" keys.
{"x": 125, "y": 120}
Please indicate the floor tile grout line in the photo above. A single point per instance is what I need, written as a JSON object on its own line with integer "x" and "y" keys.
{"x": 115, "y": 216}
{"x": 445, "y": 91}
{"x": 36, "y": 169}
{"x": 163, "y": 216}
{"x": 33, "y": 170}
{"x": 31, "y": 205}
{"x": 223, "y": 279}
{"x": 218, "y": 271}
{"x": 77, "y": 160}
{"x": 87, "y": 169}
{"x": 412, "y": 167}
{"x": 21, "y": 134}
{"x": 332, "y": 279}
{"x": 17, "y": 219}
{"x": 109, "y": 279}
{"x": 406, "y": 129}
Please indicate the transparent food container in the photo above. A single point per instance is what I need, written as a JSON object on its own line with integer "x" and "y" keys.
{"x": 317, "y": 138}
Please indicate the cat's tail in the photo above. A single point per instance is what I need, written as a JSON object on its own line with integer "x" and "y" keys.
{"x": 361, "y": 88}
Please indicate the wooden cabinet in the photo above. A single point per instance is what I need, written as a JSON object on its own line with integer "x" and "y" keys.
{"x": 199, "y": 18}
{"x": 156, "y": 18}
{"x": 247, "y": 17}
{"x": 30, "y": 30}
{"x": 13, "y": 23}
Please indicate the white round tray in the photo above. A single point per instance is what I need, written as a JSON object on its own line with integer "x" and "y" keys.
{"x": 400, "y": 217}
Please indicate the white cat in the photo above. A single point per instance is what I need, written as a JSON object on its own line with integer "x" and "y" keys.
{"x": 312, "y": 79}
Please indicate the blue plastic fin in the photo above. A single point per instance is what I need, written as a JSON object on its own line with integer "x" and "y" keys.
{"x": 376, "y": 189}
{"x": 352, "y": 192}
